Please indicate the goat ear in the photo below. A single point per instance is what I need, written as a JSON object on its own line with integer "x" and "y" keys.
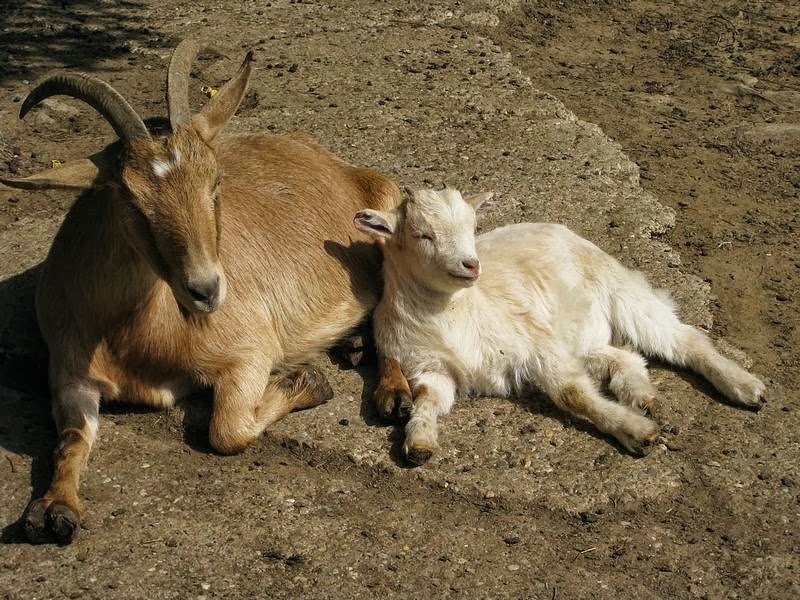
{"x": 480, "y": 202}
{"x": 80, "y": 174}
{"x": 375, "y": 223}
{"x": 222, "y": 106}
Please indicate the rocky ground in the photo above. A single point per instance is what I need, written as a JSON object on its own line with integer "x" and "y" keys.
{"x": 668, "y": 133}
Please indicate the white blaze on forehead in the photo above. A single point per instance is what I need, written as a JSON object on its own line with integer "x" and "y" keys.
{"x": 161, "y": 167}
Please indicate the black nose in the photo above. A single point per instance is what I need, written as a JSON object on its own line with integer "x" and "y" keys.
{"x": 205, "y": 291}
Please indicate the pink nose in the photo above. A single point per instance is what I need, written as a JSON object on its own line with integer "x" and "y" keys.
{"x": 472, "y": 265}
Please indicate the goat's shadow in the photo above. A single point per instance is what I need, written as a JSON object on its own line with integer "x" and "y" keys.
{"x": 363, "y": 261}
{"x": 367, "y": 370}
{"x": 45, "y": 35}
{"x": 27, "y": 428}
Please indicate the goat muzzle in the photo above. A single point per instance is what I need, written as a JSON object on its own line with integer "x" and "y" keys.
{"x": 207, "y": 293}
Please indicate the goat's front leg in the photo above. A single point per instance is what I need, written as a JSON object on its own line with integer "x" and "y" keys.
{"x": 57, "y": 514}
{"x": 392, "y": 395}
{"x": 434, "y": 395}
{"x": 244, "y": 407}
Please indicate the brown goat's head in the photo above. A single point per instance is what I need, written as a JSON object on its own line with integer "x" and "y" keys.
{"x": 170, "y": 189}
{"x": 167, "y": 186}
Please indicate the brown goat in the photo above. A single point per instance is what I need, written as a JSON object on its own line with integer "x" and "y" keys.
{"x": 167, "y": 278}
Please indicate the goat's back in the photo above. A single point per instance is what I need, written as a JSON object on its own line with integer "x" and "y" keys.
{"x": 288, "y": 245}
{"x": 544, "y": 250}
{"x": 583, "y": 295}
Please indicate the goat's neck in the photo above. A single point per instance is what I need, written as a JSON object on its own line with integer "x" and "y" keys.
{"x": 124, "y": 274}
{"x": 408, "y": 292}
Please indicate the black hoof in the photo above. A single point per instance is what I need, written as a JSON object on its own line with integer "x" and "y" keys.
{"x": 35, "y": 522}
{"x": 316, "y": 381}
{"x": 46, "y": 522}
{"x": 404, "y": 406}
{"x": 308, "y": 387}
{"x": 419, "y": 455}
{"x": 63, "y": 523}
{"x": 394, "y": 405}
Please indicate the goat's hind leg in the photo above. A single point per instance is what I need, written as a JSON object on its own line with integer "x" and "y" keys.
{"x": 244, "y": 407}
{"x": 566, "y": 382}
{"x": 626, "y": 374}
{"x": 659, "y": 333}
{"x": 695, "y": 351}
{"x": 58, "y": 513}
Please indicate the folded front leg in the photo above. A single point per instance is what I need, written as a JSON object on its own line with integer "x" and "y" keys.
{"x": 244, "y": 406}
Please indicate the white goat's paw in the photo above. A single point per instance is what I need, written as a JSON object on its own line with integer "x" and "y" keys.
{"x": 637, "y": 433}
{"x": 748, "y": 391}
{"x": 420, "y": 443}
{"x": 419, "y": 454}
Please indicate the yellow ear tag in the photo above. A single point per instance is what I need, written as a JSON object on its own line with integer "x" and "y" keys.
{"x": 209, "y": 91}
{"x": 56, "y": 164}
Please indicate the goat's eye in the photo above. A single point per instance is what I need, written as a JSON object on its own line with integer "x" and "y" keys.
{"x": 421, "y": 235}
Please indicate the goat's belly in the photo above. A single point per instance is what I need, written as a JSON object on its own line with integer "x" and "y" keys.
{"x": 488, "y": 383}
{"x": 486, "y": 372}
{"x": 159, "y": 396}
{"x": 142, "y": 382}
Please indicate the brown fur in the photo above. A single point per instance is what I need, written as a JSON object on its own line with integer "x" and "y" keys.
{"x": 393, "y": 394}
{"x": 114, "y": 301}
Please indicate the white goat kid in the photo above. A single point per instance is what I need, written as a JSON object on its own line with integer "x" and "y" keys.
{"x": 543, "y": 306}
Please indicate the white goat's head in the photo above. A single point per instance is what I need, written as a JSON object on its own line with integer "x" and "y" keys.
{"x": 166, "y": 186}
{"x": 433, "y": 233}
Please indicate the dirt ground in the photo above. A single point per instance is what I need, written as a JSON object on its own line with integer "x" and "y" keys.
{"x": 704, "y": 97}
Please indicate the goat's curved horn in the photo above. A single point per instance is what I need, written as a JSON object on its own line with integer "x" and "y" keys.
{"x": 180, "y": 67}
{"x": 97, "y": 94}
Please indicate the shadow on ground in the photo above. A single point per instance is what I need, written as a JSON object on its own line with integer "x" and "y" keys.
{"x": 39, "y": 35}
